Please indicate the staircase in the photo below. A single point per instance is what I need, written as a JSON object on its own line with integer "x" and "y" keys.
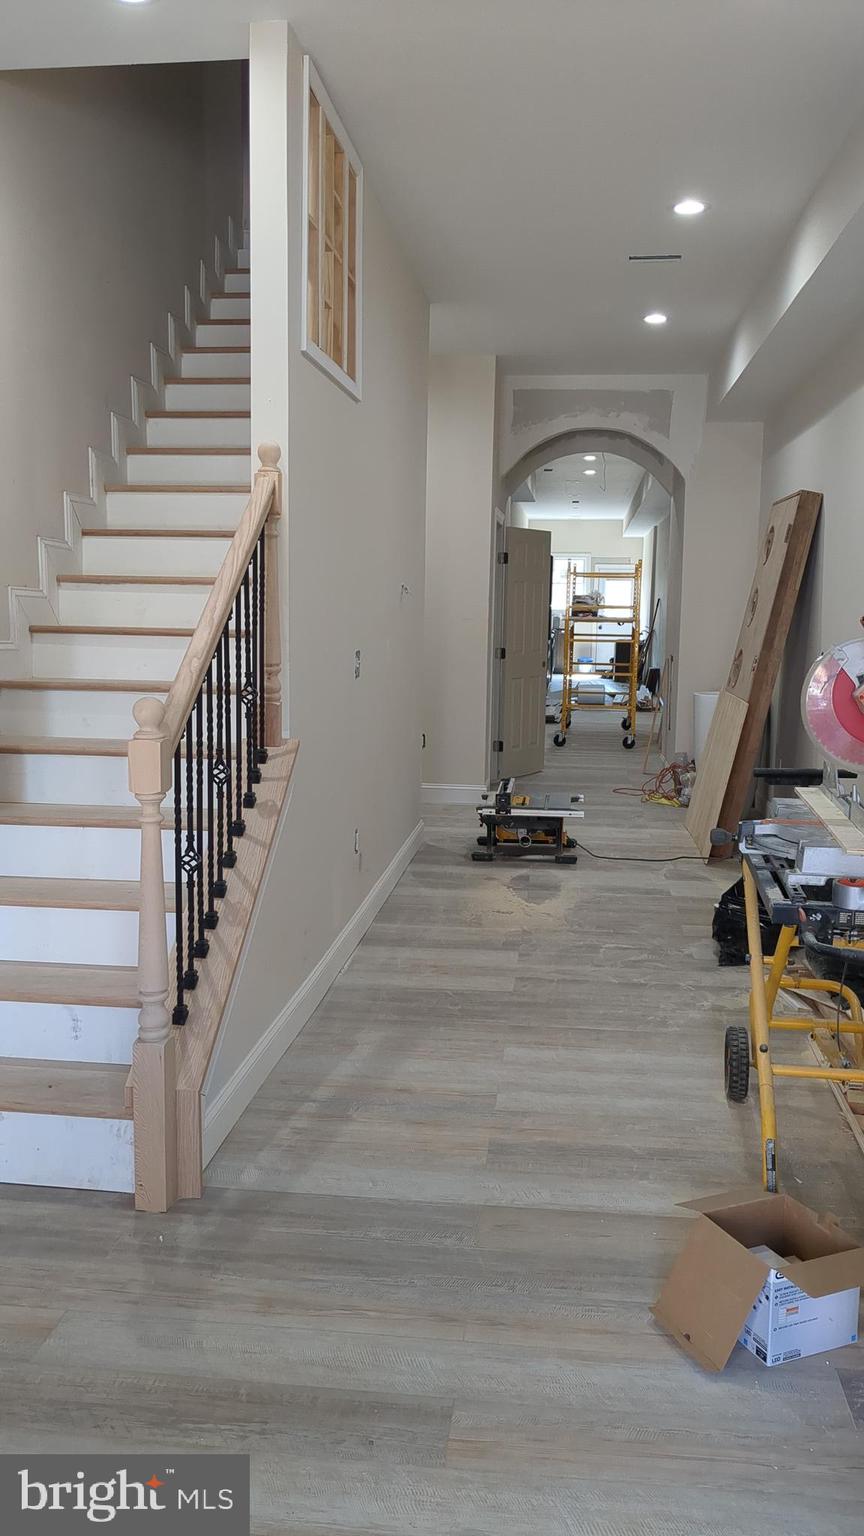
{"x": 70, "y": 840}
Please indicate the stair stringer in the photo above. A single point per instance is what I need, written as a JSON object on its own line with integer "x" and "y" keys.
{"x": 62, "y": 556}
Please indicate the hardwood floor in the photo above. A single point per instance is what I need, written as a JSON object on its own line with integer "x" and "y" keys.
{"x": 417, "y": 1288}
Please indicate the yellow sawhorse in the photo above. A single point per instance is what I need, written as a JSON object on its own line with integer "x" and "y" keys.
{"x": 745, "y": 1048}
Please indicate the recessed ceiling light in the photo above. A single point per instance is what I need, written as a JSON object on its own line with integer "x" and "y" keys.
{"x": 590, "y": 458}
{"x": 656, "y": 317}
{"x": 689, "y": 207}
{"x": 590, "y": 471}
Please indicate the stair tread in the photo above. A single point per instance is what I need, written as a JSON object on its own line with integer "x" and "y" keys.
{"x": 156, "y": 533}
{"x": 88, "y": 895}
{"x": 199, "y": 416}
{"x": 64, "y": 746}
{"x": 173, "y": 490}
{"x": 112, "y": 629}
{"x": 81, "y": 579}
{"x": 212, "y": 379}
{"x": 207, "y": 451}
{"x": 82, "y": 1088}
{"x": 90, "y": 986}
{"x": 136, "y": 685}
{"x": 214, "y": 351}
{"x": 33, "y": 813}
{"x": 223, "y": 319}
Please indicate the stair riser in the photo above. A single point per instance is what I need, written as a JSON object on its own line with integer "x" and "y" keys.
{"x": 230, "y": 306}
{"x": 67, "y": 1032}
{"x": 76, "y": 853}
{"x": 155, "y": 657}
{"x": 184, "y": 509}
{"x": 56, "y": 712}
{"x": 189, "y": 469}
{"x": 208, "y": 335}
{"x": 66, "y": 1152}
{"x": 237, "y": 282}
{"x": 215, "y": 365}
{"x": 43, "y": 779}
{"x": 200, "y": 432}
{"x": 201, "y": 396}
{"x": 172, "y": 606}
{"x": 153, "y": 556}
{"x": 72, "y": 936}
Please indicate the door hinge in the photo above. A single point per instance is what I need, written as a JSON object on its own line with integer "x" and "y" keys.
{"x": 504, "y": 557}
{"x": 501, "y": 653}
{"x": 497, "y": 746}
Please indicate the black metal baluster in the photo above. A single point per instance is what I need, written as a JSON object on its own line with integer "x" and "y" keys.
{"x": 229, "y": 857}
{"x": 252, "y": 650}
{"x": 202, "y": 945}
{"x": 248, "y": 694}
{"x": 181, "y": 1012}
{"x": 190, "y": 862}
{"x": 211, "y": 916}
{"x": 262, "y": 608}
{"x": 239, "y": 826}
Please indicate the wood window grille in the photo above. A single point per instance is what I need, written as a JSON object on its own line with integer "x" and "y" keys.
{"x": 333, "y": 223}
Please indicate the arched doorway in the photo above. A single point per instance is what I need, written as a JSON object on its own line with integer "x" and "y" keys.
{"x": 658, "y": 471}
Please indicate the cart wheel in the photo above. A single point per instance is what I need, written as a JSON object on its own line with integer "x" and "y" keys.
{"x": 629, "y": 742}
{"x": 625, "y": 723}
{"x": 559, "y": 739}
{"x": 736, "y": 1063}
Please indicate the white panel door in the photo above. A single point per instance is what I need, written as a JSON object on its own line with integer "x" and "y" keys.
{"x": 526, "y": 635}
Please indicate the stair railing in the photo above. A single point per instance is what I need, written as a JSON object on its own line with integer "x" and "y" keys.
{"x": 208, "y": 739}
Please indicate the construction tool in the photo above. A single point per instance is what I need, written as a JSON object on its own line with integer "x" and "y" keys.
{"x": 517, "y": 825}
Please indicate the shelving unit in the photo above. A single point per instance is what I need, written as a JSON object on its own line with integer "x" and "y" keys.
{"x": 577, "y": 620}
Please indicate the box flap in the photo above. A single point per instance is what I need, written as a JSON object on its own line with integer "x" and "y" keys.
{"x": 822, "y": 1277}
{"x": 707, "y": 1297}
{"x": 710, "y": 1203}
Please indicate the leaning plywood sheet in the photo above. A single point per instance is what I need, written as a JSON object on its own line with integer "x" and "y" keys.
{"x": 726, "y": 770}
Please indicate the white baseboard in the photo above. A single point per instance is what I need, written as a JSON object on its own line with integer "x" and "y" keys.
{"x": 222, "y": 1113}
{"x": 452, "y": 794}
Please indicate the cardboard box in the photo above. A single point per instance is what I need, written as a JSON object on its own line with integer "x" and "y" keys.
{"x": 717, "y": 1287}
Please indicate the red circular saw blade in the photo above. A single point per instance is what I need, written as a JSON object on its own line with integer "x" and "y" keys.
{"x": 829, "y": 709}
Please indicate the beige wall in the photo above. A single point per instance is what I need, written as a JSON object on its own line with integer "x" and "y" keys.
{"x": 459, "y": 526}
{"x": 352, "y": 574}
{"x": 815, "y": 442}
{"x": 598, "y": 537}
{"x": 721, "y": 521}
{"x": 111, "y": 188}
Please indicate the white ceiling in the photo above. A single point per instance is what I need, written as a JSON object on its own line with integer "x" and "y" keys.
{"x": 525, "y": 150}
{"x": 605, "y": 495}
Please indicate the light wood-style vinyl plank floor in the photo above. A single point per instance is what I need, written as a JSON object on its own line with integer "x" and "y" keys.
{"x": 417, "y": 1290}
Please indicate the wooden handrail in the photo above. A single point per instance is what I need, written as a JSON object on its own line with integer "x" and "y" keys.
{"x": 153, "y": 1079}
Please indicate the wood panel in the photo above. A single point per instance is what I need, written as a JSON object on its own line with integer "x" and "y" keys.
{"x": 723, "y": 783}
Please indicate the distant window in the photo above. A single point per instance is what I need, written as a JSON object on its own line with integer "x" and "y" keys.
{"x": 559, "y": 578}
{"x": 332, "y": 329}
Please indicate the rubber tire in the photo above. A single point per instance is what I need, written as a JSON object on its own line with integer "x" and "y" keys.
{"x": 559, "y": 739}
{"x": 736, "y": 1063}
{"x": 629, "y": 743}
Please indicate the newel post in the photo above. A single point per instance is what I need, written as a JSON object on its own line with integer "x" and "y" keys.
{"x": 269, "y": 455}
{"x": 154, "y": 1063}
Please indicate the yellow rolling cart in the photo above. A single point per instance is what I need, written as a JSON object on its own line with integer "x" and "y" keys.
{"x": 807, "y": 869}
{"x": 581, "y": 613}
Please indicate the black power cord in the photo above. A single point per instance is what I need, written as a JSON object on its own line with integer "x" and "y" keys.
{"x": 635, "y": 858}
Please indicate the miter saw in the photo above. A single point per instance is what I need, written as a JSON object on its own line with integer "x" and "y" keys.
{"x": 806, "y": 866}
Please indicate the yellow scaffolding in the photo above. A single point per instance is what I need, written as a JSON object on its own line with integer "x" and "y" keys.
{"x": 626, "y": 674}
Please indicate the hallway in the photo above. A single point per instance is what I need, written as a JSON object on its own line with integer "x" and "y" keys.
{"x": 417, "y": 1288}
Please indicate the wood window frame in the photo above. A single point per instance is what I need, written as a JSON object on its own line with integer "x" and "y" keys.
{"x": 350, "y": 326}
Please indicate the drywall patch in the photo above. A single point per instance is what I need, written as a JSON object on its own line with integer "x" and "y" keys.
{"x": 642, "y": 410}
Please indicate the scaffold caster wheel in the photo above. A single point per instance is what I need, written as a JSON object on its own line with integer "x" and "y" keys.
{"x": 736, "y": 1063}
{"x": 629, "y": 742}
{"x": 559, "y": 738}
